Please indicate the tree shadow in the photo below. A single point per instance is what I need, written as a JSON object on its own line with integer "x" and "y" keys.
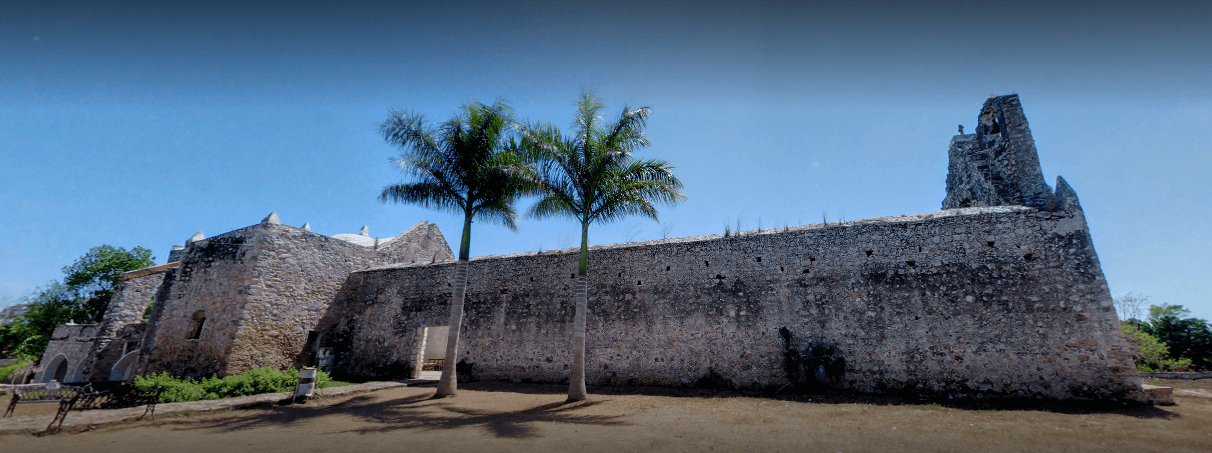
{"x": 418, "y": 412}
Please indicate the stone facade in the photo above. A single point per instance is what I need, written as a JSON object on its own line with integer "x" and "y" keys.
{"x": 66, "y": 353}
{"x": 249, "y": 298}
{"x": 121, "y": 329}
{"x": 1003, "y": 301}
{"x": 997, "y": 165}
{"x": 999, "y": 295}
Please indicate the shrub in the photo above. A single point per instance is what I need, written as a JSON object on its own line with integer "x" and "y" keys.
{"x": 252, "y": 382}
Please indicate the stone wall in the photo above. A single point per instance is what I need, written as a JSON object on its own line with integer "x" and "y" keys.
{"x": 299, "y": 274}
{"x": 422, "y": 243}
{"x": 134, "y": 291}
{"x": 213, "y": 281}
{"x": 261, "y": 289}
{"x": 998, "y": 164}
{"x": 71, "y": 343}
{"x": 1002, "y": 301}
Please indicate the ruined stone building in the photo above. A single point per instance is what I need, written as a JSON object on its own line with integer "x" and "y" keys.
{"x": 999, "y": 294}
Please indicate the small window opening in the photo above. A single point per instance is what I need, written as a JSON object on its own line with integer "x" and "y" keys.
{"x": 199, "y": 321}
{"x": 639, "y": 282}
{"x": 313, "y": 341}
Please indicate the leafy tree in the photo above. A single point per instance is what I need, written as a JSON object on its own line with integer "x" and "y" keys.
{"x": 1149, "y": 353}
{"x": 83, "y": 296}
{"x": 1186, "y": 337}
{"x": 91, "y": 279}
{"x": 469, "y": 165}
{"x": 592, "y": 177}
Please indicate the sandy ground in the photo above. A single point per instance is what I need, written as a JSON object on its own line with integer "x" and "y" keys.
{"x": 514, "y": 417}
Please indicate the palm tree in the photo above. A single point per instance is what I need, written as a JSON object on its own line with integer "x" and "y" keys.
{"x": 591, "y": 177}
{"x": 468, "y": 165}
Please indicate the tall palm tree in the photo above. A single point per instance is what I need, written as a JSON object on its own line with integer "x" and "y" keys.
{"x": 592, "y": 177}
{"x": 468, "y": 165}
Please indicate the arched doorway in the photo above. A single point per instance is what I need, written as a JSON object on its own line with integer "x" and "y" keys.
{"x": 56, "y": 369}
{"x": 124, "y": 370}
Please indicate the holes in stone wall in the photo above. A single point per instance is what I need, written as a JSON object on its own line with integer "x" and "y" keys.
{"x": 988, "y": 243}
{"x": 504, "y": 291}
{"x": 639, "y": 282}
{"x": 532, "y": 279}
{"x": 805, "y": 271}
{"x": 919, "y": 249}
{"x": 759, "y": 259}
{"x": 811, "y": 258}
{"x": 868, "y": 251}
{"x": 781, "y": 269}
{"x": 911, "y": 263}
{"x": 707, "y": 263}
{"x": 666, "y": 267}
{"x": 573, "y": 275}
{"x": 1029, "y": 256}
{"x": 719, "y": 276}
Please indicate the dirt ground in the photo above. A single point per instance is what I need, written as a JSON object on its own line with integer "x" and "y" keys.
{"x": 494, "y": 417}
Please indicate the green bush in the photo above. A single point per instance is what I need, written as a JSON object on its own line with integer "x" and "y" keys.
{"x": 252, "y": 382}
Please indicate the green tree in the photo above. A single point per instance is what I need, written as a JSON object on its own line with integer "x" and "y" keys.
{"x": 592, "y": 177}
{"x": 469, "y": 165}
{"x": 91, "y": 279}
{"x": 1186, "y": 337}
{"x": 1149, "y": 352}
{"x": 83, "y": 296}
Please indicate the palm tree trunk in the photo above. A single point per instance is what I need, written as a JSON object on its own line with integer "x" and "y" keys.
{"x": 447, "y": 384}
{"x": 576, "y": 385}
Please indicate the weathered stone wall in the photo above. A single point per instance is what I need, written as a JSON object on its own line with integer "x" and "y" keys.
{"x": 298, "y": 274}
{"x": 998, "y": 165}
{"x": 423, "y": 243}
{"x": 262, "y": 289}
{"x": 214, "y": 278}
{"x": 73, "y": 341}
{"x": 1004, "y": 301}
{"x": 134, "y": 291}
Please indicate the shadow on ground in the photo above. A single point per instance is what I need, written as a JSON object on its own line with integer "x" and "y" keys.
{"x": 415, "y": 413}
{"x": 1060, "y": 407}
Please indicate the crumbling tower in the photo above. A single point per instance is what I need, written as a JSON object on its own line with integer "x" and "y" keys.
{"x": 997, "y": 165}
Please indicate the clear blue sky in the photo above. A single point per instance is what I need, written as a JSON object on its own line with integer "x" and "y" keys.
{"x": 141, "y": 123}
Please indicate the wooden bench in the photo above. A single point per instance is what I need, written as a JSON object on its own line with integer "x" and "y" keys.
{"x": 432, "y": 364}
{"x": 40, "y": 393}
{"x": 81, "y": 398}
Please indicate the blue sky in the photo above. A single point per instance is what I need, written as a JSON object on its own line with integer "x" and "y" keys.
{"x": 141, "y": 123}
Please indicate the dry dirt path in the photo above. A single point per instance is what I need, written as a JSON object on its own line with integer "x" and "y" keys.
{"x": 507, "y": 417}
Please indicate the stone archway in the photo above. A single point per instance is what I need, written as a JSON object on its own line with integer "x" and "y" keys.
{"x": 56, "y": 369}
{"x": 124, "y": 370}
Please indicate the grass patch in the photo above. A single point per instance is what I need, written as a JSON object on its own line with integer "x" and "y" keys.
{"x": 9, "y": 370}
{"x": 252, "y": 382}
